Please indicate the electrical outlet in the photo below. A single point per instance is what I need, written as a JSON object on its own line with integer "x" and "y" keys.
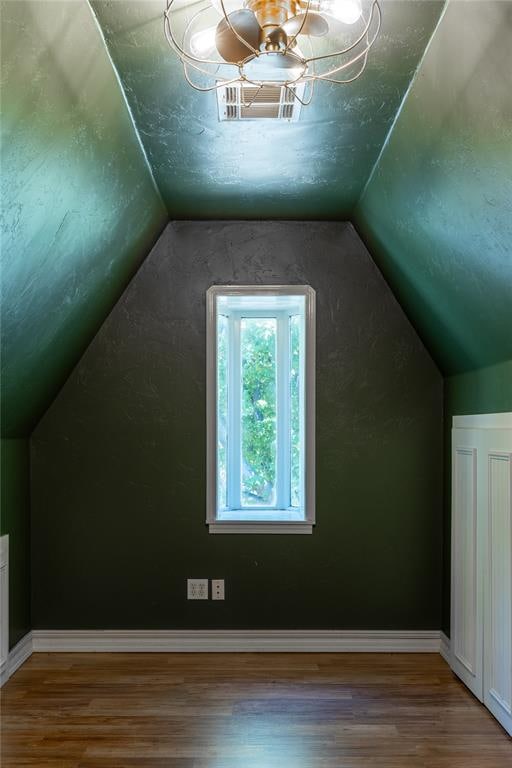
{"x": 217, "y": 589}
{"x": 197, "y": 589}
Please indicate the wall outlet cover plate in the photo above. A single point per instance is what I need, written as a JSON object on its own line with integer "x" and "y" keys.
{"x": 197, "y": 589}
{"x": 217, "y": 589}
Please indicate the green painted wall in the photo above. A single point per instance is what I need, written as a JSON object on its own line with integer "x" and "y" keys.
{"x": 118, "y": 460}
{"x": 79, "y": 212}
{"x": 15, "y": 521}
{"x": 80, "y": 209}
{"x": 436, "y": 213}
{"x": 487, "y": 390}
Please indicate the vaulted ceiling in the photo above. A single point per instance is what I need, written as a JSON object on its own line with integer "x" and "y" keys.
{"x": 81, "y": 206}
{"x": 315, "y": 168}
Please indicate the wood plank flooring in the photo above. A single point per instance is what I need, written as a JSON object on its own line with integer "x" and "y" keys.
{"x": 245, "y": 711}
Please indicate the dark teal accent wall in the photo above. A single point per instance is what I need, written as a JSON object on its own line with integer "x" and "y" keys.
{"x": 436, "y": 213}
{"x": 487, "y": 390}
{"x": 15, "y": 521}
{"x": 80, "y": 209}
{"x": 118, "y": 461}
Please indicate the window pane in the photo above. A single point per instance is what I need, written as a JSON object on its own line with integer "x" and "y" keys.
{"x": 222, "y": 409}
{"x": 295, "y": 323}
{"x": 258, "y": 342}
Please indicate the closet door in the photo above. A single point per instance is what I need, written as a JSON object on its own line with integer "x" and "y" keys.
{"x": 466, "y": 603}
{"x": 497, "y": 466}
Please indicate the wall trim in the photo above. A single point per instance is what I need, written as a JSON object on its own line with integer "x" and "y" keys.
{"x": 17, "y": 656}
{"x": 241, "y": 526}
{"x": 268, "y": 527}
{"x": 445, "y": 648}
{"x": 484, "y": 421}
{"x": 223, "y": 641}
{"x": 4, "y": 601}
{"x": 217, "y": 641}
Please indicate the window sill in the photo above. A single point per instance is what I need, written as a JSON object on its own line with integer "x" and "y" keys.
{"x": 264, "y": 526}
{"x": 289, "y": 515}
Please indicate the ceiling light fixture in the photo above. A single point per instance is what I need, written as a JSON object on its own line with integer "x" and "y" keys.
{"x": 261, "y": 42}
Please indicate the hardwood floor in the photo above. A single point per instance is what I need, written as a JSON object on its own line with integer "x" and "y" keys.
{"x": 245, "y": 711}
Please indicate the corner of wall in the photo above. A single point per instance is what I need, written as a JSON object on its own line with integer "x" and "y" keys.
{"x": 15, "y": 521}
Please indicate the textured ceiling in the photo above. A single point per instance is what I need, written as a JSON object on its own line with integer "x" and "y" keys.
{"x": 315, "y": 168}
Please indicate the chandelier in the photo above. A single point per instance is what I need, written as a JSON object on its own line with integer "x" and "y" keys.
{"x": 281, "y": 43}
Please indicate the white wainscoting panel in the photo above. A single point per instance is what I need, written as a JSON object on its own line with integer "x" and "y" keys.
{"x": 466, "y": 640}
{"x": 483, "y": 421}
{"x": 498, "y": 619}
{"x": 481, "y": 630}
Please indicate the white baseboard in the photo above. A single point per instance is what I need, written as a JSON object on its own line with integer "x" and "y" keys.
{"x": 17, "y": 656}
{"x": 206, "y": 641}
{"x": 444, "y": 648}
{"x": 222, "y": 641}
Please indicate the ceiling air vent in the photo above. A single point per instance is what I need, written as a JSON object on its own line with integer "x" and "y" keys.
{"x": 267, "y": 102}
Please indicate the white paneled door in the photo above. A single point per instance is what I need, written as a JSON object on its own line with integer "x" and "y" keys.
{"x": 481, "y": 620}
{"x": 498, "y": 580}
{"x": 467, "y": 607}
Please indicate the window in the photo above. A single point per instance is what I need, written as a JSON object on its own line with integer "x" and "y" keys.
{"x": 260, "y": 371}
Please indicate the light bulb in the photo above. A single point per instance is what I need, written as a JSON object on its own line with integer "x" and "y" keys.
{"x": 202, "y": 43}
{"x": 229, "y": 5}
{"x": 347, "y": 11}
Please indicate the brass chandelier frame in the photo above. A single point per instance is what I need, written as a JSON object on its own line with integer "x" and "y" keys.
{"x": 352, "y": 57}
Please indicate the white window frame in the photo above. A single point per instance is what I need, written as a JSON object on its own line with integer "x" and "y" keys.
{"x": 305, "y": 524}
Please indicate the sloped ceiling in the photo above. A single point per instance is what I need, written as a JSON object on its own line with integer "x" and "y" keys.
{"x": 437, "y": 212}
{"x": 81, "y": 211}
{"x": 313, "y": 169}
{"x": 80, "y": 208}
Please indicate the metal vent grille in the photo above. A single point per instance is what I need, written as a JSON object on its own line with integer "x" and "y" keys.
{"x": 267, "y": 94}
{"x": 250, "y": 102}
{"x": 231, "y": 95}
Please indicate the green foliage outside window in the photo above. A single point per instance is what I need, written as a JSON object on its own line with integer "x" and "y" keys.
{"x": 259, "y": 411}
{"x": 295, "y": 409}
{"x": 258, "y": 340}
